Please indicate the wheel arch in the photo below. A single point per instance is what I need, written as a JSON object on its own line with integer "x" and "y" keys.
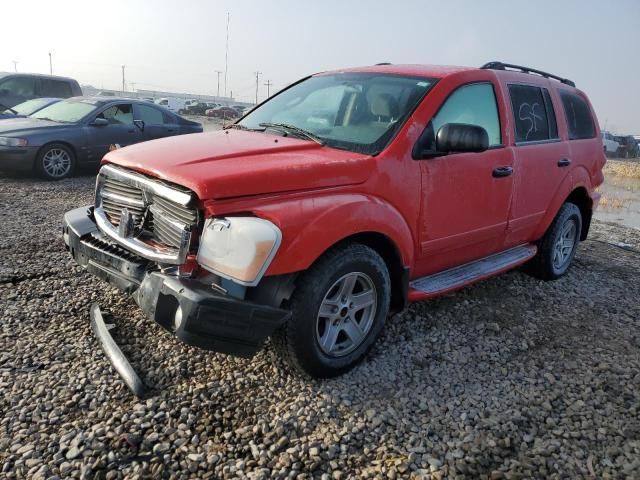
{"x": 580, "y": 197}
{"x": 67, "y": 144}
{"x": 390, "y": 253}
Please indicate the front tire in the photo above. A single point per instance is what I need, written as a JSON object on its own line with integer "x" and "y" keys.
{"x": 339, "y": 309}
{"x": 558, "y": 246}
{"x": 55, "y": 161}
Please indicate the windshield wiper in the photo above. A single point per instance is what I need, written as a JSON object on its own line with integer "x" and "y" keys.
{"x": 8, "y": 108}
{"x": 295, "y": 130}
{"x": 239, "y": 126}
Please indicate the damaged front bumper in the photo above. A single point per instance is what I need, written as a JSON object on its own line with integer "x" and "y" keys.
{"x": 195, "y": 313}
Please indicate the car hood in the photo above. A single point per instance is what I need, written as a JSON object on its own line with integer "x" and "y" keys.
{"x": 27, "y": 124}
{"x": 236, "y": 163}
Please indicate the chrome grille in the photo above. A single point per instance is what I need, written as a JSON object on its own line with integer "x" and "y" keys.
{"x": 162, "y": 215}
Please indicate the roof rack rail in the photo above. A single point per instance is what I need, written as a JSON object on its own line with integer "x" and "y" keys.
{"x": 504, "y": 66}
{"x": 383, "y": 63}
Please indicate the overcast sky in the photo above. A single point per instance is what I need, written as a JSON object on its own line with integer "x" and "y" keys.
{"x": 179, "y": 44}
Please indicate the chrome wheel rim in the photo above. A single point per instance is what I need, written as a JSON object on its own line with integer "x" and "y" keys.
{"x": 564, "y": 245}
{"x": 56, "y": 162}
{"x": 346, "y": 314}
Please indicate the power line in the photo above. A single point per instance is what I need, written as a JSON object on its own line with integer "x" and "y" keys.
{"x": 257, "y": 79}
{"x": 268, "y": 83}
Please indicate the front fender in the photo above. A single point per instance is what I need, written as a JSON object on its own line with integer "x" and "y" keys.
{"x": 310, "y": 226}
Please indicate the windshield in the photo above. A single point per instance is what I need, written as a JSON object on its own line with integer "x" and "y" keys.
{"x": 360, "y": 112}
{"x": 67, "y": 111}
{"x": 30, "y": 106}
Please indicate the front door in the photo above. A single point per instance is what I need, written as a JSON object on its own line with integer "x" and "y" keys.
{"x": 155, "y": 122}
{"x": 466, "y": 196}
{"x": 120, "y": 131}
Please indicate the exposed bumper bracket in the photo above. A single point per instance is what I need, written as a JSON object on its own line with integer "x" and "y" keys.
{"x": 113, "y": 352}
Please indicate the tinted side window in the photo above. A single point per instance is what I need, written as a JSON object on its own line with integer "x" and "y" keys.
{"x": 530, "y": 114}
{"x": 55, "y": 88}
{"x": 118, "y": 115}
{"x": 578, "y": 116}
{"x": 150, "y": 115}
{"x": 22, "y": 86}
{"x": 474, "y": 105}
{"x": 551, "y": 114}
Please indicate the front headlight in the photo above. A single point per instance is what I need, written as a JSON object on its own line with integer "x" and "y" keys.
{"x": 238, "y": 248}
{"x": 13, "y": 142}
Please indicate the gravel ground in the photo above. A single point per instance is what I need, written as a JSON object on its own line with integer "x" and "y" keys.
{"x": 510, "y": 378}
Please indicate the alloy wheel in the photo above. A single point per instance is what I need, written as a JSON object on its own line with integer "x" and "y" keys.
{"x": 346, "y": 314}
{"x": 565, "y": 243}
{"x": 56, "y": 163}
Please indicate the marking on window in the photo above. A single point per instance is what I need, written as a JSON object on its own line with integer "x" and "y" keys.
{"x": 531, "y": 116}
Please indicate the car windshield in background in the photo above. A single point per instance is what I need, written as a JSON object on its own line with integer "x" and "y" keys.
{"x": 360, "y": 112}
{"x": 66, "y": 111}
{"x": 30, "y": 106}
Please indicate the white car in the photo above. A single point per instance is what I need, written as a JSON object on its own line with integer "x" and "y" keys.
{"x": 172, "y": 104}
{"x": 610, "y": 145}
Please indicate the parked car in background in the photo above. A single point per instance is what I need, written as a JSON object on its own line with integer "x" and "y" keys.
{"x": 194, "y": 109}
{"x": 628, "y": 146}
{"x": 16, "y": 88}
{"x": 27, "y": 108}
{"x": 56, "y": 139}
{"x": 310, "y": 221}
{"x": 173, "y": 104}
{"x": 609, "y": 144}
{"x": 223, "y": 112}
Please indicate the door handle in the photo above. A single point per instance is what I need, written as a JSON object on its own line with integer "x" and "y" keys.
{"x": 502, "y": 172}
{"x": 565, "y": 162}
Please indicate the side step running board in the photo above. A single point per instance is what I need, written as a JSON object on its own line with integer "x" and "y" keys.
{"x": 458, "y": 277}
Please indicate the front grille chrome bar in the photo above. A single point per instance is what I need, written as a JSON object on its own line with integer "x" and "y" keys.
{"x": 171, "y": 256}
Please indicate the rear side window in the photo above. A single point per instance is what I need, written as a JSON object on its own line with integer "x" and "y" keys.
{"x": 55, "y": 88}
{"x": 535, "y": 119}
{"x": 150, "y": 115}
{"x": 578, "y": 114}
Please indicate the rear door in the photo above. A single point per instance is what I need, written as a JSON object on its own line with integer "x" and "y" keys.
{"x": 542, "y": 159}
{"x": 465, "y": 196}
{"x": 155, "y": 122}
{"x": 120, "y": 131}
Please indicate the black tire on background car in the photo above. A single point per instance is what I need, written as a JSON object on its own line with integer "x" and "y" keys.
{"x": 338, "y": 310}
{"x": 55, "y": 161}
{"x": 558, "y": 246}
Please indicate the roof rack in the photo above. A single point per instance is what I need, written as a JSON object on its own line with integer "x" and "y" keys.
{"x": 504, "y": 66}
{"x": 383, "y": 63}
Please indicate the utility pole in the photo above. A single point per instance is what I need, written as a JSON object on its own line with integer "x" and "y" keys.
{"x": 218, "y": 72}
{"x": 15, "y": 65}
{"x": 50, "y": 65}
{"x": 226, "y": 57}
{"x": 268, "y": 83}
{"x": 257, "y": 77}
{"x": 133, "y": 86}
{"x": 123, "y": 89}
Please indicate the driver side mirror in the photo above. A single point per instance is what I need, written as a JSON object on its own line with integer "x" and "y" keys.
{"x": 460, "y": 138}
{"x": 450, "y": 138}
{"x": 99, "y": 122}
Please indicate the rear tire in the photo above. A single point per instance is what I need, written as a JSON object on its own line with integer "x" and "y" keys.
{"x": 55, "y": 161}
{"x": 558, "y": 246}
{"x": 339, "y": 309}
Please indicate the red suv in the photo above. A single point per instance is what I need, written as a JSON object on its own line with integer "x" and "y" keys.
{"x": 339, "y": 200}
